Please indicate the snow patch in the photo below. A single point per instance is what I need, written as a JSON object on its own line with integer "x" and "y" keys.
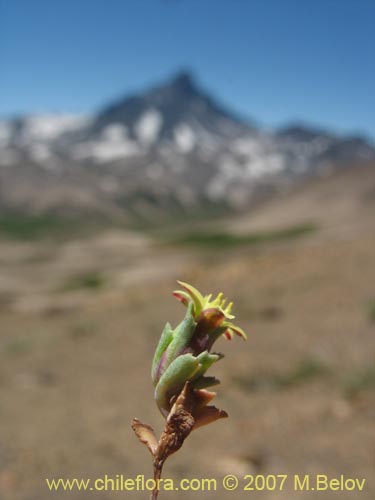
{"x": 48, "y": 127}
{"x": 247, "y": 146}
{"x": 184, "y": 137}
{"x": 148, "y": 127}
{"x": 116, "y": 132}
{"x": 268, "y": 165}
{"x": 113, "y": 144}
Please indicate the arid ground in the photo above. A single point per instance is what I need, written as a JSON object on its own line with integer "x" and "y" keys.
{"x": 80, "y": 319}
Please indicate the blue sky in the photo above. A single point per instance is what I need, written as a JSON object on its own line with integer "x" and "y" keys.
{"x": 274, "y": 61}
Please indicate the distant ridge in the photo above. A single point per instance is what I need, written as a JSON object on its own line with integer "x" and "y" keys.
{"x": 170, "y": 147}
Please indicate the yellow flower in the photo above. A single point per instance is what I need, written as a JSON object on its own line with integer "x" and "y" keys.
{"x": 209, "y": 313}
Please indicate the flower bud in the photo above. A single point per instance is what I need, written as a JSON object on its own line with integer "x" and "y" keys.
{"x": 184, "y": 353}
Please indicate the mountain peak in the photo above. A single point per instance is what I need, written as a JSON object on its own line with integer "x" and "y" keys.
{"x": 178, "y": 102}
{"x": 168, "y": 146}
{"x": 184, "y": 81}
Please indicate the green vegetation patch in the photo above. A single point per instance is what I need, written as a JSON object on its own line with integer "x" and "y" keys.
{"x": 371, "y": 311}
{"x": 21, "y": 226}
{"x": 305, "y": 371}
{"x": 20, "y": 345}
{"x": 225, "y": 239}
{"x": 90, "y": 280}
{"x": 361, "y": 380}
{"x": 83, "y": 329}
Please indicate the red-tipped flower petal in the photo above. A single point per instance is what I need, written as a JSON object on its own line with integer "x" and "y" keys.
{"x": 237, "y": 330}
{"x": 228, "y": 334}
{"x": 182, "y": 297}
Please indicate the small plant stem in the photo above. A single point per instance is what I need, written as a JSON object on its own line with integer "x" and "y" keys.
{"x": 158, "y": 466}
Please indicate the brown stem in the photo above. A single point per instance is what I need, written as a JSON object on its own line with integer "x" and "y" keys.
{"x": 158, "y": 466}
{"x": 179, "y": 424}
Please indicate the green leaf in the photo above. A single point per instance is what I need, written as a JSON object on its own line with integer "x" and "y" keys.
{"x": 173, "y": 379}
{"x": 181, "y": 336}
{"x": 165, "y": 340}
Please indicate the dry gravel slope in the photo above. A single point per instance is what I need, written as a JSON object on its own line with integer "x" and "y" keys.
{"x": 74, "y": 367}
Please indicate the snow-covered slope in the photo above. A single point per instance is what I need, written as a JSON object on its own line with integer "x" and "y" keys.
{"x": 171, "y": 144}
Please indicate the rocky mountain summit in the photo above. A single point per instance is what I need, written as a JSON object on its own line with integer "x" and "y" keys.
{"x": 171, "y": 147}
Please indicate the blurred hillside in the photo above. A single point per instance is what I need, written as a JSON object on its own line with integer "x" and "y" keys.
{"x": 81, "y": 312}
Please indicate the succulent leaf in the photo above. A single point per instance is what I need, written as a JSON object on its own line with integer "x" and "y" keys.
{"x": 183, "y": 354}
{"x": 165, "y": 340}
{"x": 182, "y": 369}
